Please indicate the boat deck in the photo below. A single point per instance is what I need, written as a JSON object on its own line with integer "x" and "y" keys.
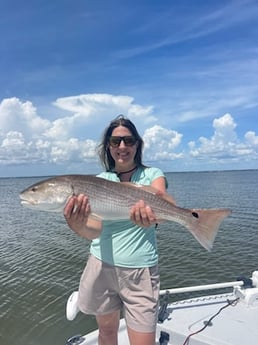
{"x": 217, "y": 319}
{"x": 221, "y": 320}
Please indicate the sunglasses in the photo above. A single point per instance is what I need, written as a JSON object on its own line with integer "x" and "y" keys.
{"x": 128, "y": 140}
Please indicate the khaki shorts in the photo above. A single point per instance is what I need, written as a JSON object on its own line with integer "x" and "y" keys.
{"x": 105, "y": 288}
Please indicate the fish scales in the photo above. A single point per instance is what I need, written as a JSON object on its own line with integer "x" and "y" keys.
{"x": 119, "y": 200}
{"x": 113, "y": 200}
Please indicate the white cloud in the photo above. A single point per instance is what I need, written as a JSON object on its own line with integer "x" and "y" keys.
{"x": 251, "y": 139}
{"x": 61, "y": 128}
{"x": 224, "y": 130}
{"x": 89, "y": 109}
{"x": 25, "y": 136}
{"x": 13, "y": 140}
{"x": 15, "y": 150}
{"x": 73, "y": 150}
{"x": 160, "y": 143}
{"x": 16, "y": 115}
{"x": 224, "y": 144}
{"x": 96, "y": 106}
{"x": 28, "y": 138}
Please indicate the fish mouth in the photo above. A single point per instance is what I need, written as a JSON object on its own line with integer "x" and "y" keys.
{"x": 25, "y": 201}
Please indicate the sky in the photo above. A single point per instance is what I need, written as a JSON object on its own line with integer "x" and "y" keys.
{"x": 185, "y": 72}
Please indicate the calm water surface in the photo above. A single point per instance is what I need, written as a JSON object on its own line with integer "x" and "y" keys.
{"x": 42, "y": 260}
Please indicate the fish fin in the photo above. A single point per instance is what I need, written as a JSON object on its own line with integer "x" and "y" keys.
{"x": 152, "y": 190}
{"x": 160, "y": 194}
{"x": 206, "y": 224}
{"x": 147, "y": 188}
{"x": 166, "y": 197}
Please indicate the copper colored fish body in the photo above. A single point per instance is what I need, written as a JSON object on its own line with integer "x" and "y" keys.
{"x": 113, "y": 200}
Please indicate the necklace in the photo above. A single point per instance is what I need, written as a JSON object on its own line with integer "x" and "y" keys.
{"x": 126, "y": 172}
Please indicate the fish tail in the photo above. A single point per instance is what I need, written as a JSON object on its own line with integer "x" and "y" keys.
{"x": 205, "y": 225}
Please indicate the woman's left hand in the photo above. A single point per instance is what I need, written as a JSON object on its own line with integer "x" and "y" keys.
{"x": 142, "y": 215}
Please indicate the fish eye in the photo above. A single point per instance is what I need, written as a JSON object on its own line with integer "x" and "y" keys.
{"x": 34, "y": 189}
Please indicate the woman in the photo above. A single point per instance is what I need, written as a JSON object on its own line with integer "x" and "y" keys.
{"x": 121, "y": 272}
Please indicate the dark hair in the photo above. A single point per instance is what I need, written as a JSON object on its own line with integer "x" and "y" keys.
{"x": 103, "y": 149}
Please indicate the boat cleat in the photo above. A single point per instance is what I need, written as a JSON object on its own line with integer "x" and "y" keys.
{"x": 248, "y": 296}
{"x": 255, "y": 278}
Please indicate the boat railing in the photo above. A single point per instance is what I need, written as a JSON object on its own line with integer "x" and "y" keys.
{"x": 202, "y": 287}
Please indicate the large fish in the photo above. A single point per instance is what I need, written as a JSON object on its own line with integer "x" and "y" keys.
{"x": 113, "y": 200}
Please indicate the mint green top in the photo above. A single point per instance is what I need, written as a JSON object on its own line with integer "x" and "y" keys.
{"x": 123, "y": 243}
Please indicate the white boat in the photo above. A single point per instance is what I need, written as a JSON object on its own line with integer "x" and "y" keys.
{"x": 227, "y": 318}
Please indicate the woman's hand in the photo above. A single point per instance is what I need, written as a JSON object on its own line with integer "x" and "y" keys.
{"x": 142, "y": 215}
{"x": 76, "y": 211}
{"x": 77, "y": 215}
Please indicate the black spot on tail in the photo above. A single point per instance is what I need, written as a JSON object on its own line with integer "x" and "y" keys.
{"x": 195, "y": 214}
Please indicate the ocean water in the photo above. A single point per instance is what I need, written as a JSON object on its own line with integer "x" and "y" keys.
{"x": 42, "y": 259}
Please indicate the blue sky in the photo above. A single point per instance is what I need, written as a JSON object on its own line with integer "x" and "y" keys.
{"x": 185, "y": 72}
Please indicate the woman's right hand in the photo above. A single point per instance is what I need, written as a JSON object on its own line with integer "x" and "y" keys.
{"x": 77, "y": 215}
{"x": 77, "y": 211}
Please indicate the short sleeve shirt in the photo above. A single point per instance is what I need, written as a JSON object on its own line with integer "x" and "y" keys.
{"x": 123, "y": 243}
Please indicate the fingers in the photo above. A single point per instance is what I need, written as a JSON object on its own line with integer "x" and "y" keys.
{"x": 142, "y": 214}
{"x": 77, "y": 207}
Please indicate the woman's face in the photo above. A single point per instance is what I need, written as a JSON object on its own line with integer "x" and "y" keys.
{"x": 124, "y": 153}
